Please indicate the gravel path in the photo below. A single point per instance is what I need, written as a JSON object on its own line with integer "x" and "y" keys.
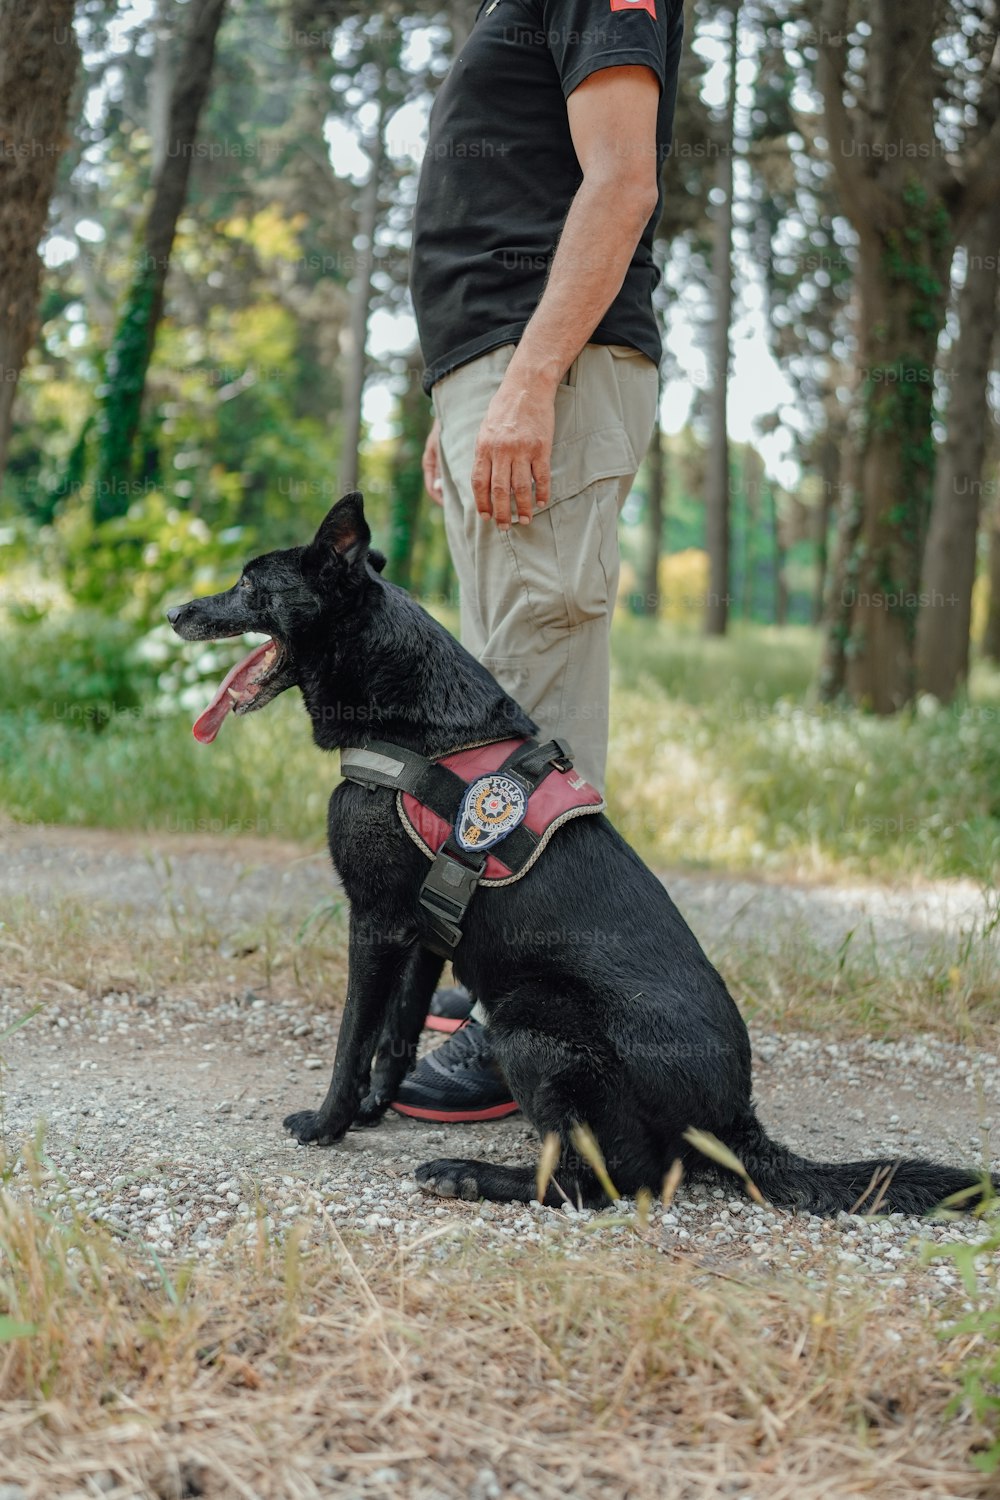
{"x": 163, "y": 1113}
{"x": 249, "y": 879}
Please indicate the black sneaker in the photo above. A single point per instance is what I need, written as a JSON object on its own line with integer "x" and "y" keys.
{"x": 449, "y": 1009}
{"x": 457, "y": 1081}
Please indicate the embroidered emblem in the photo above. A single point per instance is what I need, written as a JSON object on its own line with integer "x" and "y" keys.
{"x": 647, "y": 5}
{"x": 492, "y": 807}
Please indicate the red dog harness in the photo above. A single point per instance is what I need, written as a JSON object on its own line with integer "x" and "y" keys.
{"x": 483, "y": 815}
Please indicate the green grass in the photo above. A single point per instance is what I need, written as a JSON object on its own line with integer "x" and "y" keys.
{"x": 263, "y": 776}
{"x": 722, "y": 758}
{"x": 719, "y": 759}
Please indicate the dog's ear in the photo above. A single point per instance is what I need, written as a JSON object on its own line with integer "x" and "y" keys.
{"x": 344, "y": 530}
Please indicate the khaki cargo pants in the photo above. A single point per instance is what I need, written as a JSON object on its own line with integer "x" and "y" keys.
{"x": 537, "y": 600}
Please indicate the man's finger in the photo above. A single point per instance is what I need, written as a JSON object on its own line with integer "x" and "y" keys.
{"x": 521, "y": 485}
{"x": 500, "y": 492}
{"x": 542, "y": 471}
{"x": 481, "y": 482}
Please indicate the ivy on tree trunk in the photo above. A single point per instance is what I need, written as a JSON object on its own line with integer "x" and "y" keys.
{"x": 909, "y": 207}
{"x": 950, "y": 563}
{"x": 120, "y": 398}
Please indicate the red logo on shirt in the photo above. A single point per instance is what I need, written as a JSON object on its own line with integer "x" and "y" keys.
{"x": 646, "y": 5}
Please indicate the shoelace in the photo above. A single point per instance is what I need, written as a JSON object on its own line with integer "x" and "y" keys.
{"x": 466, "y": 1045}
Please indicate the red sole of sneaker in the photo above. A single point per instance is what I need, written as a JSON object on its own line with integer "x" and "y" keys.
{"x": 451, "y": 1117}
{"x": 443, "y": 1023}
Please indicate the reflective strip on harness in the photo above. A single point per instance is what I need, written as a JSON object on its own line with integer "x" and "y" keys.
{"x": 562, "y": 795}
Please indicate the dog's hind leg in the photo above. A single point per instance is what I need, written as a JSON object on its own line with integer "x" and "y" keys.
{"x": 397, "y": 1048}
{"x": 550, "y": 1107}
{"x": 450, "y": 1178}
{"x": 573, "y": 1179}
{"x": 565, "y": 1076}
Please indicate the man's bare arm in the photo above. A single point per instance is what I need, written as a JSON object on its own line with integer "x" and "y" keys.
{"x": 612, "y": 117}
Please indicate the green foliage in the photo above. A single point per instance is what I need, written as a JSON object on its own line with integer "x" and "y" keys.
{"x": 263, "y": 776}
{"x": 73, "y": 477}
{"x": 752, "y": 561}
{"x": 131, "y": 566}
{"x": 717, "y": 759}
{"x": 120, "y": 397}
{"x": 406, "y": 489}
{"x": 720, "y": 758}
{"x": 980, "y": 1327}
{"x": 81, "y": 670}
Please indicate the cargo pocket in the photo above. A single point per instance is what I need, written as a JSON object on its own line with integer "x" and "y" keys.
{"x": 566, "y": 562}
{"x": 591, "y": 438}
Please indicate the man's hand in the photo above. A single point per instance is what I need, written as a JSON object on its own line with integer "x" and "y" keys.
{"x": 431, "y": 464}
{"x": 514, "y": 451}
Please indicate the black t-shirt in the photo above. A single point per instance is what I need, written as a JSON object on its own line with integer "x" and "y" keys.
{"x": 500, "y": 171}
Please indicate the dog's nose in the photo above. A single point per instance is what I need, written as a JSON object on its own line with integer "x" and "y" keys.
{"x": 173, "y": 615}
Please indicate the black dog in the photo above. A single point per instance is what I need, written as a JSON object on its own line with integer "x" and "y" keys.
{"x": 635, "y": 1036}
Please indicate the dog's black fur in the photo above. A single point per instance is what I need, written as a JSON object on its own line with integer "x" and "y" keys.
{"x": 603, "y": 1009}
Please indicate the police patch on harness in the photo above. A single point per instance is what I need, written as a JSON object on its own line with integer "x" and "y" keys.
{"x": 492, "y": 807}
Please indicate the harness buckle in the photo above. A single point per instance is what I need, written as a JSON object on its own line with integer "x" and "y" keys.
{"x": 445, "y": 896}
{"x": 562, "y": 760}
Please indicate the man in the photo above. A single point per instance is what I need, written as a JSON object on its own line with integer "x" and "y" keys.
{"x": 532, "y": 283}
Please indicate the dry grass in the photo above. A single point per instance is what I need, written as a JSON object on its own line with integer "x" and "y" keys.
{"x": 458, "y": 1366}
{"x": 801, "y": 985}
{"x": 464, "y": 1364}
{"x": 72, "y": 947}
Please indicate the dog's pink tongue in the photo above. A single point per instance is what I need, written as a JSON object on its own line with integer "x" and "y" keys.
{"x": 238, "y": 687}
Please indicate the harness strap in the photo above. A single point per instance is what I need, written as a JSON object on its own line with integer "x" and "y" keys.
{"x": 535, "y": 761}
{"x": 382, "y": 764}
{"x": 445, "y": 896}
{"x": 455, "y": 872}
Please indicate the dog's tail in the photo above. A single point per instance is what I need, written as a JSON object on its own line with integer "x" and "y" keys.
{"x": 882, "y": 1185}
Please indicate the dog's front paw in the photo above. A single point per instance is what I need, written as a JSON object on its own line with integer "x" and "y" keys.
{"x": 309, "y": 1128}
{"x": 450, "y": 1179}
{"x": 371, "y": 1109}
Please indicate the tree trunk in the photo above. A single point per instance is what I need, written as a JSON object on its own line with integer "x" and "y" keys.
{"x": 361, "y": 302}
{"x": 991, "y": 636}
{"x": 950, "y": 559}
{"x": 830, "y": 464}
{"x": 717, "y": 457}
{"x": 132, "y": 347}
{"x": 780, "y": 579}
{"x": 908, "y": 208}
{"x": 840, "y": 585}
{"x": 161, "y": 84}
{"x": 38, "y": 64}
{"x": 655, "y": 514}
{"x": 902, "y": 313}
{"x": 407, "y": 478}
{"x": 750, "y": 485}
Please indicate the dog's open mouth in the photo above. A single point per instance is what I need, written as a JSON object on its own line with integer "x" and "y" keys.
{"x": 243, "y": 689}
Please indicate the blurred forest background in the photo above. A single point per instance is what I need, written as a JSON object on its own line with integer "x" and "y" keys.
{"x": 204, "y": 231}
